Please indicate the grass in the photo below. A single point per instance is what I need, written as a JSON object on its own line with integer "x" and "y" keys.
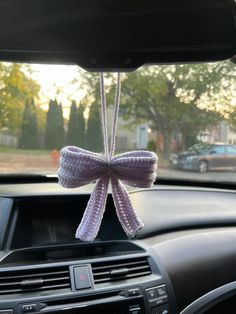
{"x": 162, "y": 162}
{"x": 18, "y": 151}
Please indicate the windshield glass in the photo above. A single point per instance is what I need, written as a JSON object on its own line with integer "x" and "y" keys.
{"x": 170, "y": 109}
{"x": 197, "y": 148}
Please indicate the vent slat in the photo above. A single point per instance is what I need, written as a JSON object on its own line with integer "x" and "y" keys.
{"x": 4, "y": 284}
{"x": 56, "y": 279}
{"x": 131, "y": 269}
{"x": 23, "y": 276}
{"x": 11, "y": 291}
{"x": 103, "y": 271}
{"x": 126, "y": 277}
{"x": 48, "y": 278}
{"x": 125, "y": 264}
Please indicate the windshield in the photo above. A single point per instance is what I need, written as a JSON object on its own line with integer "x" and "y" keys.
{"x": 169, "y": 109}
{"x": 197, "y": 148}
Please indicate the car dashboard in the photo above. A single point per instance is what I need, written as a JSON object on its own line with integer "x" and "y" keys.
{"x": 186, "y": 249}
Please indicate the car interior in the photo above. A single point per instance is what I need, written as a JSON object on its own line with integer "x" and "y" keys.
{"x": 183, "y": 261}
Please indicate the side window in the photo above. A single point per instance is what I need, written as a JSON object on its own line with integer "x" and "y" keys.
{"x": 231, "y": 149}
{"x": 217, "y": 150}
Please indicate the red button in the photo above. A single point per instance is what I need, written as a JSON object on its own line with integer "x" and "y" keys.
{"x": 82, "y": 277}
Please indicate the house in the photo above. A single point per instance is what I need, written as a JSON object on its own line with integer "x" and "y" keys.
{"x": 129, "y": 137}
{"x": 220, "y": 133}
{"x": 8, "y": 139}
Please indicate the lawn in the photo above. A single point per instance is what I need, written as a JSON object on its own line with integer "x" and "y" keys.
{"x": 18, "y": 151}
{"x": 14, "y": 160}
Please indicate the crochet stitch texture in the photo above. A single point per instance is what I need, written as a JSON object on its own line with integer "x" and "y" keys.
{"x": 79, "y": 167}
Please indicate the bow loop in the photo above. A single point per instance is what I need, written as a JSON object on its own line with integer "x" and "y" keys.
{"x": 79, "y": 167}
{"x": 136, "y": 168}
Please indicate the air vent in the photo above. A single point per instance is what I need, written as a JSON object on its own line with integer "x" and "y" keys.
{"x": 119, "y": 270}
{"x": 30, "y": 280}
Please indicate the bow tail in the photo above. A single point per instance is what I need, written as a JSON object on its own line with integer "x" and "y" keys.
{"x": 130, "y": 222}
{"x": 91, "y": 221}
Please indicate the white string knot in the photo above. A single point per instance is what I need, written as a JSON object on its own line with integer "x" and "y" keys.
{"x": 79, "y": 167}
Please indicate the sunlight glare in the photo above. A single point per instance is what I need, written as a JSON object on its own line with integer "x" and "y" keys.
{"x": 56, "y": 81}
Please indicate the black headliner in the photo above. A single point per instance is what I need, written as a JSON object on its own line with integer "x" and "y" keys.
{"x": 117, "y": 34}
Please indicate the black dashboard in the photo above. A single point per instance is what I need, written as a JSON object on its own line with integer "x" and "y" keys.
{"x": 186, "y": 250}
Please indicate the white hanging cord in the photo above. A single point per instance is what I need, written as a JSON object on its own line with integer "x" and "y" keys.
{"x": 109, "y": 154}
{"x": 104, "y": 116}
{"x": 115, "y": 115}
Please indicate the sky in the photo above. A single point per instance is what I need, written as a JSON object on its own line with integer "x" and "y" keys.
{"x": 55, "y": 81}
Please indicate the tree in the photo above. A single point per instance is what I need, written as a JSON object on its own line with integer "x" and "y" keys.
{"x": 54, "y": 134}
{"x": 50, "y": 126}
{"x": 16, "y": 88}
{"x": 76, "y": 126}
{"x": 94, "y": 131}
{"x": 60, "y": 128}
{"x": 41, "y": 115}
{"x": 72, "y": 132}
{"x": 81, "y": 126}
{"x": 175, "y": 98}
{"x": 29, "y": 135}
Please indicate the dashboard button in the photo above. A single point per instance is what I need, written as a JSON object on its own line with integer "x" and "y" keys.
{"x": 27, "y": 308}
{"x": 157, "y": 302}
{"x": 161, "y": 291}
{"x": 133, "y": 292}
{"x": 164, "y": 309}
{"x": 151, "y": 293}
{"x": 6, "y": 311}
{"x": 136, "y": 310}
{"x": 161, "y": 310}
{"x": 82, "y": 278}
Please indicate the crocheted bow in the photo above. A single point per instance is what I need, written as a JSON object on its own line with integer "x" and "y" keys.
{"x": 79, "y": 167}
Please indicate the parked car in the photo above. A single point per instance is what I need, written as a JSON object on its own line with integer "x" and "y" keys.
{"x": 204, "y": 157}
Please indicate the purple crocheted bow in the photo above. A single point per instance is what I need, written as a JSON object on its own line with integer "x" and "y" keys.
{"x": 79, "y": 167}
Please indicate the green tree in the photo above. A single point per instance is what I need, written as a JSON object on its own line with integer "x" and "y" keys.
{"x": 76, "y": 126}
{"x": 175, "y": 97}
{"x": 72, "y": 132}
{"x": 54, "y": 133}
{"x": 50, "y": 126}
{"x": 94, "y": 131}
{"x": 60, "y": 127}
{"x": 16, "y": 88}
{"x": 29, "y": 134}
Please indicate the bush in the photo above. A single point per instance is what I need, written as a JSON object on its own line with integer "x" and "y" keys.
{"x": 152, "y": 146}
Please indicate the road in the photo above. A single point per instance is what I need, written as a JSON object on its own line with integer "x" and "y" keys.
{"x": 26, "y": 163}
{"x": 228, "y": 176}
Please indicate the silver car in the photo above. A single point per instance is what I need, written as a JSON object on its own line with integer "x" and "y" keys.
{"x": 205, "y": 157}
